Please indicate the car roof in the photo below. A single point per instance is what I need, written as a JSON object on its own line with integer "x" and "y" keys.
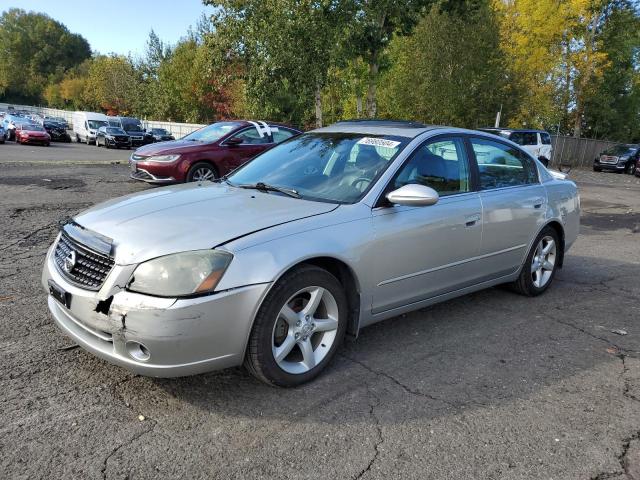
{"x": 519, "y": 130}
{"x": 398, "y": 128}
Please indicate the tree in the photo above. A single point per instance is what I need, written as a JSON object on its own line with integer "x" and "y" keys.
{"x": 449, "y": 71}
{"x": 612, "y": 110}
{"x": 286, "y": 48}
{"x": 113, "y": 85}
{"x": 36, "y": 51}
{"x": 370, "y": 31}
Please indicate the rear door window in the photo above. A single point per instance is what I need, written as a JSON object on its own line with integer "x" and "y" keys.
{"x": 546, "y": 138}
{"x": 501, "y": 165}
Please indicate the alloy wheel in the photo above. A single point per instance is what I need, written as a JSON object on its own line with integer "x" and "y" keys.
{"x": 202, "y": 174}
{"x": 543, "y": 262}
{"x": 305, "y": 330}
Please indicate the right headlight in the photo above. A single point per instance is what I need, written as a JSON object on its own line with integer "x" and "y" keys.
{"x": 181, "y": 274}
{"x": 163, "y": 158}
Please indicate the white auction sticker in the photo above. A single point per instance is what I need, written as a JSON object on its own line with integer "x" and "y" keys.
{"x": 378, "y": 142}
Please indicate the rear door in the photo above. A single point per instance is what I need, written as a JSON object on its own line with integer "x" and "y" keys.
{"x": 513, "y": 204}
{"x": 252, "y": 143}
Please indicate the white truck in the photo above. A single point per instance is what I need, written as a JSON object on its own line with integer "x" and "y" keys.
{"x": 86, "y": 124}
{"x": 536, "y": 142}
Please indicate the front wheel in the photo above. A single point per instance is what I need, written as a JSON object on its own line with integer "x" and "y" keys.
{"x": 201, "y": 172}
{"x": 631, "y": 168}
{"x": 298, "y": 328}
{"x": 541, "y": 264}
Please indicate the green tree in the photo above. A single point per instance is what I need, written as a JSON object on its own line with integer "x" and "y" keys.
{"x": 286, "y": 48}
{"x": 370, "y": 31}
{"x": 612, "y": 111}
{"x": 36, "y": 51}
{"x": 113, "y": 84}
{"x": 450, "y": 71}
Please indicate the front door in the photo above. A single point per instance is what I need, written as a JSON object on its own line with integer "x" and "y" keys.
{"x": 422, "y": 252}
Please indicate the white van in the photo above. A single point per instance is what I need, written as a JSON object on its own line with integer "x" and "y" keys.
{"x": 86, "y": 124}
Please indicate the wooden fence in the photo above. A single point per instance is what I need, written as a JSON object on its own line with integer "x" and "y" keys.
{"x": 576, "y": 152}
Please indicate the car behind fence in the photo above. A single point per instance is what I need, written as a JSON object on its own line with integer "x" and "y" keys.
{"x": 567, "y": 151}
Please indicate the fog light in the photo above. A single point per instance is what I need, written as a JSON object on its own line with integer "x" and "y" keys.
{"x": 138, "y": 351}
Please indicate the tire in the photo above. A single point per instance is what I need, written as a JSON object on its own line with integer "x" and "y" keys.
{"x": 198, "y": 172}
{"x": 271, "y": 330}
{"x": 631, "y": 168}
{"x": 597, "y": 169}
{"x": 544, "y": 161}
{"x": 525, "y": 284}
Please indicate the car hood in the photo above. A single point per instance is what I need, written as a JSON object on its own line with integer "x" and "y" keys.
{"x": 172, "y": 146}
{"x": 190, "y": 217}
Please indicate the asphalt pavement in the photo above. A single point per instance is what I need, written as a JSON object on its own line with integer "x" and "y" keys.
{"x": 488, "y": 386}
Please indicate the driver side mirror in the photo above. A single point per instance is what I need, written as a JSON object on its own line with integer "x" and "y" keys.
{"x": 413, "y": 195}
{"x": 233, "y": 141}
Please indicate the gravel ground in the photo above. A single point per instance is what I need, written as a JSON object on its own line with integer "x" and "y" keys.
{"x": 488, "y": 386}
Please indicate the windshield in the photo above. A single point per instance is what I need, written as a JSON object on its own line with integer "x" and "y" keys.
{"x": 620, "y": 150}
{"x": 333, "y": 167}
{"x": 212, "y": 132}
{"x": 159, "y": 131}
{"x": 115, "y": 131}
{"x": 131, "y": 125}
{"x": 96, "y": 124}
{"x": 32, "y": 128}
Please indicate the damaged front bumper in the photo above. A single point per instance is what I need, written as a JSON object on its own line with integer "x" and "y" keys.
{"x": 159, "y": 337}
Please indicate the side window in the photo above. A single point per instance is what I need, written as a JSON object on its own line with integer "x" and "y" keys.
{"x": 530, "y": 138}
{"x": 281, "y": 135}
{"x": 546, "y": 138}
{"x": 501, "y": 165}
{"x": 250, "y": 136}
{"x": 441, "y": 164}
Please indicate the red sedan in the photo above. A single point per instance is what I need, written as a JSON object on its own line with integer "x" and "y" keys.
{"x": 207, "y": 153}
{"x": 32, "y": 134}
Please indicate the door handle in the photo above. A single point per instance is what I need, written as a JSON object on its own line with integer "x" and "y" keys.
{"x": 472, "y": 220}
{"x": 538, "y": 202}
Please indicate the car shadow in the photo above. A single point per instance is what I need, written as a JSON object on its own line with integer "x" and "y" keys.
{"x": 479, "y": 350}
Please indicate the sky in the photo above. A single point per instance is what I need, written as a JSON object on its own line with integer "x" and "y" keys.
{"x": 119, "y": 26}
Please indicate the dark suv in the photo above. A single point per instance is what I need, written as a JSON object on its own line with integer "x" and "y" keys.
{"x": 112, "y": 137}
{"x": 135, "y": 130}
{"x": 207, "y": 153}
{"x": 621, "y": 158}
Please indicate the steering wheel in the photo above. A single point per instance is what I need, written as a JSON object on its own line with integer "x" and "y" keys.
{"x": 360, "y": 180}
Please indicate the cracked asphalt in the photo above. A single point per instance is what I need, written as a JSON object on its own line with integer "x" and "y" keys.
{"x": 488, "y": 386}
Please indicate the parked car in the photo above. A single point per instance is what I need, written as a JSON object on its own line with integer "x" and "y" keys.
{"x": 135, "y": 130}
{"x": 620, "y": 158}
{"x": 324, "y": 234}
{"x": 56, "y": 131}
{"x": 86, "y": 124}
{"x": 32, "y": 133}
{"x": 9, "y": 123}
{"x": 113, "y": 137}
{"x": 207, "y": 153}
{"x": 536, "y": 142}
{"x": 160, "y": 135}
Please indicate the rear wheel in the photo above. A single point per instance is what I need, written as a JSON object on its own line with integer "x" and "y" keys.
{"x": 597, "y": 169}
{"x": 541, "y": 264}
{"x": 201, "y": 172}
{"x": 298, "y": 328}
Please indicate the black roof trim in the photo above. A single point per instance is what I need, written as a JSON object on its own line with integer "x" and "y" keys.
{"x": 382, "y": 123}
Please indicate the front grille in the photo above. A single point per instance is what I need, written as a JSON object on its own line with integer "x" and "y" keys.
{"x": 90, "y": 268}
{"x": 608, "y": 159}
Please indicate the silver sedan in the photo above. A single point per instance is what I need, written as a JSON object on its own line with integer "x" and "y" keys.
{"x": 329, "y": 232}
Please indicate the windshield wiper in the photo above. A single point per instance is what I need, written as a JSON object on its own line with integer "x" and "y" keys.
{"x": 265, "y": 187}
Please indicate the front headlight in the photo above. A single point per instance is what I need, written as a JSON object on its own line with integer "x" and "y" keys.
{"x": 163, "y": 158}
{"x": 181, "y": 274}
